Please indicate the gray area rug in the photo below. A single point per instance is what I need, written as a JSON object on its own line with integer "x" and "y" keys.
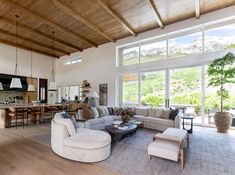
{"x": 210, "y": 153}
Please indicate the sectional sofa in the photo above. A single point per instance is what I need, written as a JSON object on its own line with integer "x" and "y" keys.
{"x": 157, "y": 119}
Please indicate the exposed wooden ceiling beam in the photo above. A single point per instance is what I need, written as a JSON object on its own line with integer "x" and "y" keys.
{"x": 49, "y": 22}
{"x": 40, "y": 34}
{"x": 118, "y": 17}
{"x": 33, "y": 42}
{"x": 27, "y": 48}
{"x": 197, "y": 8}
{"x": 81, "y": 19}
{"x": 158, "y": 18}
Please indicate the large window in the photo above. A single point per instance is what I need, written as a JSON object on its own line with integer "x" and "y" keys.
{"x": 180, "y": 45}
{"x": 185, "y": 89}
{"x": 220, "y": 38}
{"x": 129, "y": 56}
{"x": 130, "y": 89}
{"x": 185, "y": 45}
{"x": 152, "y": 88}
{"x": 153, "y": 51}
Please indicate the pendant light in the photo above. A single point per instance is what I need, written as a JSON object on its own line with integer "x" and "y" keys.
{"x": 31, "y": 87}
{"x": 53, "y": 84}
{"x": 16, "y": 82}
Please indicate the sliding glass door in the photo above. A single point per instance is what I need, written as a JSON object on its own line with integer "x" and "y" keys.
{"x": 152, "y": 88}
{"x": 185, "y": 91}
{"x": 184, "y": 88}
{"x": 130, "y": 89}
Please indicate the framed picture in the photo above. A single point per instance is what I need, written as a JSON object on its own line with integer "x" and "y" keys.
{"x": 103, "y": 94}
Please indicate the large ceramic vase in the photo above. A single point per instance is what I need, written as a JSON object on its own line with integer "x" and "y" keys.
{"x": 223, "y": 121}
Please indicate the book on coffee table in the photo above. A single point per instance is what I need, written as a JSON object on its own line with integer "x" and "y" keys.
{"x": 123, "y": 127}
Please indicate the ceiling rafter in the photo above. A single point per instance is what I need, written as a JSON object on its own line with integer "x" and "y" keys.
{"x": 118, "y": 17}
{"x": 197, "y": 8}
{"x": 51, "y": 23}
{"x": 158, "y": 18}
{"x": 33, "y": 42}
{"x": 27, "y": 48}
{"x": 81, "y": 19}
{"x": 40, "y": 34}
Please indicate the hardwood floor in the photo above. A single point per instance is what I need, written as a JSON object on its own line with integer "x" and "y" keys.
{"x": 21, "y": 156}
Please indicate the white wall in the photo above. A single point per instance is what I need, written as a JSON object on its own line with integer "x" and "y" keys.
{"x": 98, "y": 64}
{"x": 42, "y": 65}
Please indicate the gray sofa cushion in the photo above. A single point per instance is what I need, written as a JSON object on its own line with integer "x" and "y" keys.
{"x": 165, "y": 114}
{"x": 161, "y": 121}
{"x": 108, "y": 119}
{"x": 101, "y": 111}
{"x": 159, "y": 113}
{"x": 97, "y": 124}
{"x": 152, "y": 112}
{"x": 143, "y": 112}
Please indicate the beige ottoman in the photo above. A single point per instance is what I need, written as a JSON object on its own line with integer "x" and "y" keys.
{"x": 169, "y": 145}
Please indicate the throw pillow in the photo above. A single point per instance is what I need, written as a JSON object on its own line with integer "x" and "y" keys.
{"x": 158, "y": 113}
{"x": 106, "y": 111}
{"x": 101, "y": 112}
{"x": 173, "y": 114}
{"x": 65, "y": 114}
{"x": 152, "y": 112}
{"x": 111, "y": 111}
{"x": 143, "y": 112}
{"x": 165, "y": 114}
{"x": 67, "y": 123}
{"x": 95, "y": 112}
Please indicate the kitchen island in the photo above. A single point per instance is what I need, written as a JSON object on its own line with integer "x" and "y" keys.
{"x": 5, "y": 109}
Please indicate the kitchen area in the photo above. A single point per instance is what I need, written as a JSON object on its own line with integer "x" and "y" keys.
{"x": 31, "y": 102}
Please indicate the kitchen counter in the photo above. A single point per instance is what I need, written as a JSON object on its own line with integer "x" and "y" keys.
{"x": 5, "y": 108}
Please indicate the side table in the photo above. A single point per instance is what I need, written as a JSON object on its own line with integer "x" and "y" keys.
{"x": 191, "y": 123}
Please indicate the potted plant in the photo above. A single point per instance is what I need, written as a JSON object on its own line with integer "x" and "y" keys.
{"x": 222, "y": 71}
{"x": 126, "y": 114}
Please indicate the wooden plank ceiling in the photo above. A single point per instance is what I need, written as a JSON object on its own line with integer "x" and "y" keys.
{"x": 81, "y": 24}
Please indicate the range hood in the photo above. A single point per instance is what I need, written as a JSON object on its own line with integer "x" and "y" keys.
{"x": 6, "y": 81}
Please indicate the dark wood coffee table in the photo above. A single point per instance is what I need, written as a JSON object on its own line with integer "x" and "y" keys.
{"x": 118, "y": 134}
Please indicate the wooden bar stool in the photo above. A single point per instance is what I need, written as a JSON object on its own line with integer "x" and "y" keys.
{"x": 48, "y": 112}
{"x": 34, "y": 114}
{"x": 17, "y": 115}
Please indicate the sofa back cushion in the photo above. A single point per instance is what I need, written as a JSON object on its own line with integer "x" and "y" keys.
{"x": 165, "y": 113}
{"x": 143, "y": 112}
{"x": 96, "y": 124}
{"x": 65, "y": 122}
{"x": 152, "y": 112}
{"x": 66, "y": 115}
{"x": 158, "y": 113}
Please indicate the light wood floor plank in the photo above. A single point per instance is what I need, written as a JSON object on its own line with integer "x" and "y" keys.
{"x": 21, "y": 156}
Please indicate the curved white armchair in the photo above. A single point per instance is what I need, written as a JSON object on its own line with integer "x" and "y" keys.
{"x": 84, "y": 145}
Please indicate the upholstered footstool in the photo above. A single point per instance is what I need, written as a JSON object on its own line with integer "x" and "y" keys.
{"x": 169, "y": 145}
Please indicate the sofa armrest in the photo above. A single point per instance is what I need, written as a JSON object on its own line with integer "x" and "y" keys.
{"x": 177, "y": 121}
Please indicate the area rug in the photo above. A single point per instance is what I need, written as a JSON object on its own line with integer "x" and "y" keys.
{"x": 210, "y": 153}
